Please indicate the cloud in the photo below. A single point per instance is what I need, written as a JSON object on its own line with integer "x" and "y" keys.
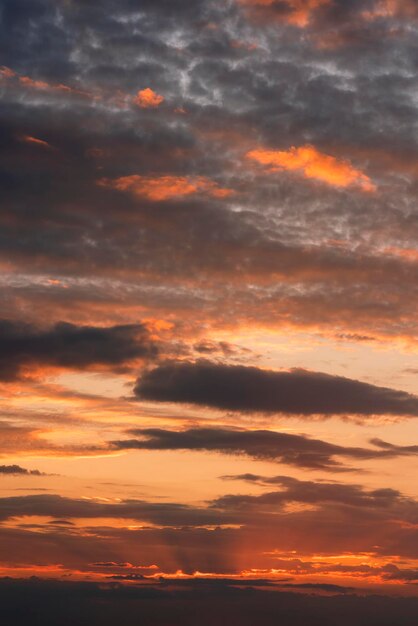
{"x": 330, "y": 24}
{"x": 165, "y": 187}
{"x": 123, "y": 565}
{"x": 390, "y": 447}
{"x": 310, "y": 492}
{"x": 392, "y": 572}
{"x": 230, "y": 534}
{"x": 313, "y": 164}
{"x": 241, "y": 264}
{"x": 148, "y": 99}
{"x": 7, "y": 74}
{"x": 221, "y": 511}
{"x": 70, "y": 346}
{"x": 319, "y": 587}
{"x": 164, "y": 515}
{"x": 186, "y": 228}
{"x": 35, "y": 141}
{"x": 30, "y": 440}
{"x": 19, "y": 438}
{"x": 295, "y": 450}
{"x": 17, "y": 470}
{"x": 392, "y": 8}
{"x": 298, "y": 391}
{"x": 295, "y": 12}
{"x": 176, "y": 603}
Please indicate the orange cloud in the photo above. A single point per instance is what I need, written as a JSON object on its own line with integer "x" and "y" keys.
{"x": 296, "y": 12}
{"x": 41, "y": 85}
{"x": 36, "y": 84}
{"x": 313, "y": 164}
{"x": 409, "y": 254}
{"x": 392, "y": 8}
{"x": 165, "y": 187}
{"x": 34, "y": 140}
{"x": 246, "y": 45}
{"x": 148, "y": 99}
{"x": 6, "y": 72}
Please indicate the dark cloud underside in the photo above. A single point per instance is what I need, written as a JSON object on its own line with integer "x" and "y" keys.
{"x": 69, "y": 346}
{"x": 105, "y": 604}
{"x": 260, "y": 444}
{"x": 240, "y": 388}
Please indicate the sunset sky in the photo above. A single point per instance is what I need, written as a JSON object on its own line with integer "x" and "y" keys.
{"x": 209, "y": 330}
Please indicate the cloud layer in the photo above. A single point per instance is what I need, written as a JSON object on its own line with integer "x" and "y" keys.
{"x": 236, "y": 181}
{"x": 69, "y": 346}
{"x": 240, "y": 388}
{"x": 261, "y": 444}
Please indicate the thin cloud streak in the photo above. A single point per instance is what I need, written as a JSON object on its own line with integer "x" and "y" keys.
{"x": 296, "y": 450}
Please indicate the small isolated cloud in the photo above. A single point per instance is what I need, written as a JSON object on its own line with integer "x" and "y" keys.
{"x": 312, "y": 163}
{"x": 34, "y": 140}
{"x": 148, "y": 99}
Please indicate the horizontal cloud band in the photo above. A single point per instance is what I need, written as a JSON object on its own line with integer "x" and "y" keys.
{"x": 297, "y": 391}
{"x": 260, "y": 444}
{"x": 69, "y": 345}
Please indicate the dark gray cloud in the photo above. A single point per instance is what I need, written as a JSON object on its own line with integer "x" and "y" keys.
{"x": 377, "y": 521}
{"x": 240, "y": 388}
{"x": 222, "y": 510}
{"x": 112, "y": 564}
{"x": 179, "y": 603}
{"x": 17, "y": 470}
{"x": 392, "y": 572}
{"x": 70, "y": 346}
{"x": 390, "y": 447}
{"x": 171, "y": 514}
{"x": 295, "y": 450}
{"x": 310, "y": 492}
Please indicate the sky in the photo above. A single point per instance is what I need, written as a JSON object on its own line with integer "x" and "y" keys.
{"x": 208, "y": 333}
